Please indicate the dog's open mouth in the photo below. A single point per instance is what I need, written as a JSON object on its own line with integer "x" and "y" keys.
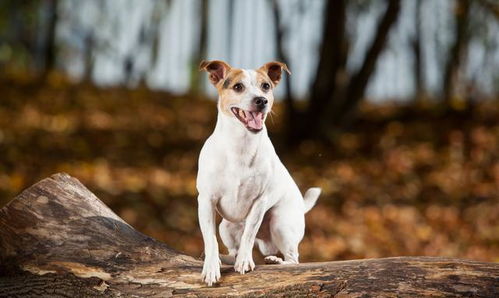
{"x": 252, "y": 120}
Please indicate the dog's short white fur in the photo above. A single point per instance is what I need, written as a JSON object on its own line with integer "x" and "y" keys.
{"x": 241, "y": 177}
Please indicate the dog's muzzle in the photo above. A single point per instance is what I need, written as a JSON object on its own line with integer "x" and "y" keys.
{"x": 252, "y": 120}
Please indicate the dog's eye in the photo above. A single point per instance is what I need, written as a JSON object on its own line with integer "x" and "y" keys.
{"x": 266, "y": 86}
{"x": 238, "y": 87}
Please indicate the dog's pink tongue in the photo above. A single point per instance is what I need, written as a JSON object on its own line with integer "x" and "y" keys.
{"x": 256, "y": 120}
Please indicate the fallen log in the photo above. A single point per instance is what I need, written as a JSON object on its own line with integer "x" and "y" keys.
{"x": 59, "y": 239}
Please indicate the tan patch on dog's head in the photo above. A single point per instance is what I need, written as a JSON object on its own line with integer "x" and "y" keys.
{"x": 228, "y": 96}
{"x": 225, "y": 78}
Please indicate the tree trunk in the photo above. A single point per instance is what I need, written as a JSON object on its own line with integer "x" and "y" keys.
{"x": 289, "y": 102}
{"x": 335, "y": 93}
{"x": 196, "y": 81}
{"x": 57, "y": 239}
{"x": 50, "y": 47}
{"x": 231, "y": 11}
{"x": 330, "y": 69}
{"x": 358, "y": 83}
{"x": 417, "y": 47}
{"x": 457, "y": 51}
{"x": 88, "y": 59}
{"x": 490, "y": 6}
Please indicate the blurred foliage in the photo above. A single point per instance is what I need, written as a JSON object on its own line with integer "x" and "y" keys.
{"x": 402, "y": 181}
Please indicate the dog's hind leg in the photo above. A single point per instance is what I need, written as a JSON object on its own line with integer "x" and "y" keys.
{"x": 286, "y": 237}
{"x": 289, "y": 250}
{"x": 230, "y": 233}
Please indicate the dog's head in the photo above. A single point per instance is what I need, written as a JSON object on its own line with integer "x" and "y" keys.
{"x": 245, "y": 95}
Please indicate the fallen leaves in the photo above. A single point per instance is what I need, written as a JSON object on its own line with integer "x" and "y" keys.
{"x": 392, "y": 185}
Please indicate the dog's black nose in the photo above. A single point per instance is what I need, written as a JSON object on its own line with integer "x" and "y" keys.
{"x": 260, "y": 102}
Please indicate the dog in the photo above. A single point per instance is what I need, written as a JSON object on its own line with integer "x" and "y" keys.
{"x": 241, "y": 177}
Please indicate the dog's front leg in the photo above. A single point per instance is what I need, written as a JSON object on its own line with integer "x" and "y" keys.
{"x": 244, "y": 259}
{"x": 206, "y": 214}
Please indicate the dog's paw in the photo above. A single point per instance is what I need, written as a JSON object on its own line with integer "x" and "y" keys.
{"x": 211, "y": 271}
{"x": 273, "y": 260}
{"x": 244, "y": 264}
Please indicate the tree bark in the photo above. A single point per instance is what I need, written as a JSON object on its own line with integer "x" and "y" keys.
{"x": 57, "y": 239}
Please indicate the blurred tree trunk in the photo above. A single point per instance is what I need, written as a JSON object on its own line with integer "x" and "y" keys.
{"x": 330, "y": 70}
{"x": 335, "y": 94}
{"x": 160, "y": 7}
{"x": 20, "y": 34}
{"x": 196, "y": 82}
{"x": 457, "y": 50}
{"x": 417, "y": 47}
{"x": 281, "y": 55}
{"x": 230, "y": 28}
{"x": 492, "y": 6}
{"x": 89, "y": 57}
{"x": 358, "y": 83}
{"x": 50, "y": 47}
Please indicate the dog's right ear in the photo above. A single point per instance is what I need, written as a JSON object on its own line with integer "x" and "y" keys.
{"x": 216, "y": 68}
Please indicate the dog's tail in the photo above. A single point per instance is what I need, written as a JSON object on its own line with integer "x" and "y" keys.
{"x": 310, "y": 198}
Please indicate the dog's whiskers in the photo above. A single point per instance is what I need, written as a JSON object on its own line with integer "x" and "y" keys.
{"x": 271, "y": 114}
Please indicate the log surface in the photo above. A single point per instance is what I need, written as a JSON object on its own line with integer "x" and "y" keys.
{"x": 59, "y": 239}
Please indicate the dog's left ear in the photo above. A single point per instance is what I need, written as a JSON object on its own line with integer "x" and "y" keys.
{"x": 274, "y": 70}
{"x": 216, "y": 68}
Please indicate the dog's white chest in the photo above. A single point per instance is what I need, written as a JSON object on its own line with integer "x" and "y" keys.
{"x": 242, "y": 188}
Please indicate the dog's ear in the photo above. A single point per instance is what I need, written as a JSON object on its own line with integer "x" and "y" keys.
{"x": 274, "y": 70}
{"x": 216, "y": 68}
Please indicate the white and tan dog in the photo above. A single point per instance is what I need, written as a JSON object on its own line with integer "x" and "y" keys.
{"x": 241, "y": 177}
